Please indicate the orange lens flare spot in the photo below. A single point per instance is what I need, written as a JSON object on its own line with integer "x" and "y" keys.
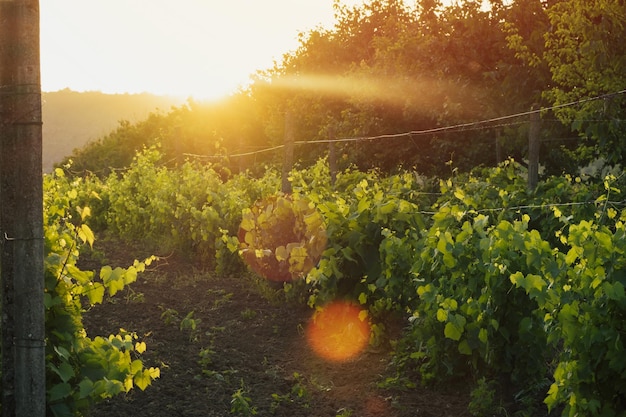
{"x": 339, "y": 331}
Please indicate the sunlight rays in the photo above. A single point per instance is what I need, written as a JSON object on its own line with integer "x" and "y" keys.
{"x": 418, "y": 94}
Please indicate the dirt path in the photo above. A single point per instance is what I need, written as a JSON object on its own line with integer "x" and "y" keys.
{"x": 247, "y": 353}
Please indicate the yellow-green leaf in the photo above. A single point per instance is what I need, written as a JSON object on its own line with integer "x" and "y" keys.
{"x": 142, "y": 380}
{"x": 451, "y": 331}
{"x": 140, "y": 347}
{"x": 86, "y": 234}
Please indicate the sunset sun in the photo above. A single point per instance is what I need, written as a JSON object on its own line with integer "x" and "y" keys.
{"x": 192, "y": 48}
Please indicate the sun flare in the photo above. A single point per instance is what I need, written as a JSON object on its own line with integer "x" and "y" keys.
{"x": 339, "y": 331}
{"x": 191, "y": 48}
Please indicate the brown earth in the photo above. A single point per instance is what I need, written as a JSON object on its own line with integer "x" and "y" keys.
{"x": 247, "y": 354}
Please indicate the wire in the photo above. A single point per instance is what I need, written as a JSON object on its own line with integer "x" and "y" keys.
{"x": 478, "y": 125}
{"x": 532, "y": 206}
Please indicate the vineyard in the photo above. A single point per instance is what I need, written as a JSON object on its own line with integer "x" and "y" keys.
{"x": 514, "y": 297}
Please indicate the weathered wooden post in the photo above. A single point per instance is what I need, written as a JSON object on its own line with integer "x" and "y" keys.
{"x": 498, "y": 146}
{"x": 21, "y": 212}
{"x": 288, "y": 152}
{"x": 332, "y": 155}
{"x": 534, "y": 143}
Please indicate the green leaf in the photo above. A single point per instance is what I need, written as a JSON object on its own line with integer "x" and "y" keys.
{"x": 59, "y": 391}
{"x": 65, "y": 371}
{"x": 247, "y": 224}
{"x": 95, "y": 293}
{"x": 449, "y": 260}
{"x": 364, "y": 204}
{"x": 452, "y": 331}
{"x": 464, "y": 348}
{"x": 61, "y": 410}
{"x": 362, "y": 298}
{"x": 614, "y": 291}
{"x": 533, "y": 284}
{"x": 86, "y": 234}
{"x": 483, "y": 335}
{"x": 112, "y": 279}
{"x": 387, "y": 207}
{"x": 442, "y": 315}
{"x": 62, "y": 352}
{"x": 517, "y": 279}
{"x": 455, "y": 327}
{"x": 573, "y": 254}
{"x": 458, "y": 193}
{"x": 85, "y": 388}
{"x": 136, "y": 366}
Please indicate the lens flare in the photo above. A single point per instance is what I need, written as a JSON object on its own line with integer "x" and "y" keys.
{"x": 282, "y": 238}
{"x": 339, "y": 331}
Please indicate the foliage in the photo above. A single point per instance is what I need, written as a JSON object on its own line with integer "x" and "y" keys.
{"x": 585, "y": 313}
{"x": 281, "y": 238}
{"x": 585, "y": 53}
{"x": 193, "y": 130}
{"x": 363, "y": 214}
{"x": 523, "y": 288}
{"x": 491, "y": 288}
{"x": 388, "y": 67}
{"x": 580, "y": 44}
{"x": 189, "y": 208}
{"x": 82, "y": 370}
{"x": 483, "y": 400}
{"x": 241, "y": 402}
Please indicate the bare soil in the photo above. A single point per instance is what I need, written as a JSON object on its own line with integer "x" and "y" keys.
{"x": 247, "y": 354}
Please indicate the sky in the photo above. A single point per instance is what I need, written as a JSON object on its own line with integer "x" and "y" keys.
{"x": 203, "y": 49}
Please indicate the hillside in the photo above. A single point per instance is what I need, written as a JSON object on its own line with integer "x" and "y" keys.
{"x": 71, "y": 118}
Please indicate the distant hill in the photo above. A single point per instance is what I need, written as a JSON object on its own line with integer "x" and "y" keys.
{"x": 71, "y": 119}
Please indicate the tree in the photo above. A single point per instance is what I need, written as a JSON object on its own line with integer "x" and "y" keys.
{"x": 209, "y": 131}
{"x": 387, "y": 68}
{"x": 579, "y": 46}
{"x": 586, "y": 55}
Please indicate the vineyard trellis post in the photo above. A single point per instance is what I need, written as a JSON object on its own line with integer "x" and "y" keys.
{"x": 534, "y": 143}
{"x": 288, "y": 155}
{"x": 498, "y": 145}
{"x": 332, "y": 155}
{"x": 21, "y": 212}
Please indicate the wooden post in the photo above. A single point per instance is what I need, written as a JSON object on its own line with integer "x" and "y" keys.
{"x": 534, "y": 143}
{"x": 288, "y": 155}
{"x": 21, "y": 212}
{"x": 498, "y": 146}
{"x": 242, "y": 162}
{"x": 332, "y": 155}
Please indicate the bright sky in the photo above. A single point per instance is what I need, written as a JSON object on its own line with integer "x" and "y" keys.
{"x": 199, "y": 48}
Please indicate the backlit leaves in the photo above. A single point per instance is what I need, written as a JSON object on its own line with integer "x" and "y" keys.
{"x": 80, "y": 369}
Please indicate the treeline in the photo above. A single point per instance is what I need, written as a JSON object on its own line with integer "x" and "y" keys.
{"x": 388, "y": 67}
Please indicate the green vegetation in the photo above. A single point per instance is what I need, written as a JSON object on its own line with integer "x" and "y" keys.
{"x": 387, "y": 67}
{"x": 82, "y": 370}
{"x": 241, "y": 403}
{"x": 499, "y": 283}
{"x": 520, "y": 292}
